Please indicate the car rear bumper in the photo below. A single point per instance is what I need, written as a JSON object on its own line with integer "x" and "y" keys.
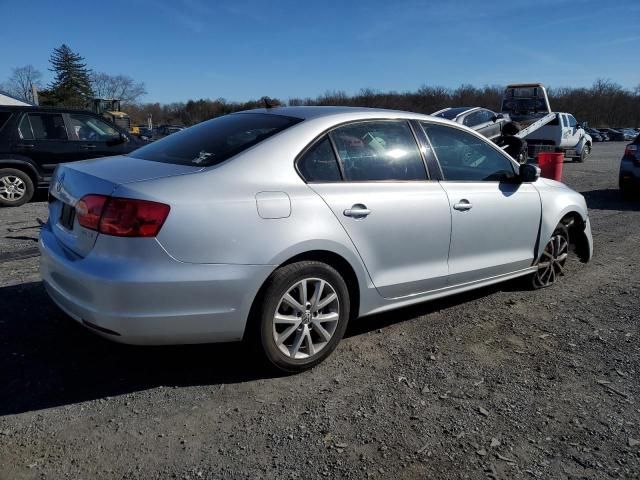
{"x": 150, "y": 299}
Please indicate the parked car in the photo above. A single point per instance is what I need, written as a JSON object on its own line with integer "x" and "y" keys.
{"x": 630, "y": 170}
{"x": 146, "y": 133}
{"x": 482, "y": 120}
{"x": 614, "y": 135}
{"x": 165, "y": 130}
{"x": 603, "y": 134}
{"x": 595, "y": 134}
{"x": 279, "y": 225}
{"x": 630, "y": 133}
{"x": 34, "y": 140}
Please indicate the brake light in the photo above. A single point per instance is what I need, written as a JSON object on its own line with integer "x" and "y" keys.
{"x": 89, "y": 210}
{"x": 631, "y": 151}
{"x": 121, "y": 217}
{"x": 124, "y": 217}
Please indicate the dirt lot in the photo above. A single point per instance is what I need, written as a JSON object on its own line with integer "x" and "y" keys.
{"x": 501, "y": 383}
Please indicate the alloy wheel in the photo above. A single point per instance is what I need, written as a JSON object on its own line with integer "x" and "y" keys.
{"x": 551, "y": 264}
{"x": 306, "y": 318}
{"x": 12, "y": 188}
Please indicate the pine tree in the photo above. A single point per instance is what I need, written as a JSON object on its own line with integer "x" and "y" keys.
{"x": 72, "y": 85}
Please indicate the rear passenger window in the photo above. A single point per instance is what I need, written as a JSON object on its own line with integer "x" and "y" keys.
{"x": 48, "y": 126}
{"x": 25, "y": 129}
{"x": 379, "y": 150}
{"x": 319, "y": 163}
{"x": 465, "y": 157}
{"x": 4, "y": 116}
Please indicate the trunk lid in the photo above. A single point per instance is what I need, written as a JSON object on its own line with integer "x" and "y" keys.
{"x": 72, "y": 181}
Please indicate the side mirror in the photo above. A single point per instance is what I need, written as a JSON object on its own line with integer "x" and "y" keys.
{"x": 528, "y": 173}
{"x": 122, "y": 138}
{"x": 496, "y": 117}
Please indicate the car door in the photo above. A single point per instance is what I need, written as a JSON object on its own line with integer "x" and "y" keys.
{"x": 573, "y": 132}
{"x": 494, "y": 219}
{"x": 44, "y": 139}
{"x": 398, "y": 220}
{"x": 93, "y": 137}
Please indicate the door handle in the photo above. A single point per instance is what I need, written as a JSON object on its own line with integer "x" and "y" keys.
{"x": 26, "y": 145}
{"x": 357, "y": 211}
{"x": 88, "y": 147}
{"x": 463, "y": 205}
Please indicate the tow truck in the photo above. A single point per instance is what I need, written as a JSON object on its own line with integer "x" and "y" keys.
{"x": 543, "y": 129}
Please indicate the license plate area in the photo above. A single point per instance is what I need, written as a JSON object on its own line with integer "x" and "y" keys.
{"x": 67, "y": 216}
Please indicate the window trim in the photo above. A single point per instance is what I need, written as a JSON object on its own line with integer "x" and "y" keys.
{"x": 33, "y": 137}
{"x": 329, "y": 130}
{"x": 514, "y": 165}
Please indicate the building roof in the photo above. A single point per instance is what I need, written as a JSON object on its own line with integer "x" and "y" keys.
{"x": 6, "y": 99}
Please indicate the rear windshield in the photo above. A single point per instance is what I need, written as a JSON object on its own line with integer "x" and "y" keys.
{"x": 4, "y": 116}
{"x": 215, "y": 141}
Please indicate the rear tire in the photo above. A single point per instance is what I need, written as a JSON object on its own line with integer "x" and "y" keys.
{"x": 16, "y": 187}
{"x": 553, "y": 259}
{"x": 302, "y": 316}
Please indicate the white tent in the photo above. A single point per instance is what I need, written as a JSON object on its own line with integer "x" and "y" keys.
{"x": 6, "y": 99}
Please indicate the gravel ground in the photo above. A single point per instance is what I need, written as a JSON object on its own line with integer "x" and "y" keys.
{"x": 500, "y": 383}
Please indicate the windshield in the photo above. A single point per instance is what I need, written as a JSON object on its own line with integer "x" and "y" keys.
{"x": 215, "y": 141}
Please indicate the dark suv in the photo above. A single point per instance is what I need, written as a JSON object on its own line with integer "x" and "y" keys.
{"x": 34, "y": 140}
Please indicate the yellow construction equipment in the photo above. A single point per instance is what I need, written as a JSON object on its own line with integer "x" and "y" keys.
{"x": 109, "y": 108}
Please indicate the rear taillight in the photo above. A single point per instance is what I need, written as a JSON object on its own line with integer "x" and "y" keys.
{"x": 121, "y": 217}
{"x": 89, "y": 210}
{"x": 631, "y": 151}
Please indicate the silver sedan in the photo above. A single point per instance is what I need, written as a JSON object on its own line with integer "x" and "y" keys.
{"x": 279, "y": 225}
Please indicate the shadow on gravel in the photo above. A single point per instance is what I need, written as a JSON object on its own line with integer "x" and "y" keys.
{"x": 47, "y": 360}
{"x": 610, "y": 199}
{"x": 382, "y": 320}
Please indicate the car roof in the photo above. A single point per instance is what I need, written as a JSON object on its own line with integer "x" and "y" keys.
{"x": 314, "y": 112}
{"x": 452, "y": 113}
{"x": 36, "y": 108}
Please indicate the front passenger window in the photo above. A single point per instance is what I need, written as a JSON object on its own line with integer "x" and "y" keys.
{"x": 92, "y": 129}
{"x": 465, "y": 157}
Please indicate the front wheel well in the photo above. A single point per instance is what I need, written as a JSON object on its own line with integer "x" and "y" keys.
{"x": 577, "y": 237}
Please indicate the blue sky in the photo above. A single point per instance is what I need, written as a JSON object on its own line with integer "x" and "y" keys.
{"x": 245, "y": 49}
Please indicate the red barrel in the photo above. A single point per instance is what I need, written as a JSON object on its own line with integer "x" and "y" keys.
{"x": 550, "y": 164}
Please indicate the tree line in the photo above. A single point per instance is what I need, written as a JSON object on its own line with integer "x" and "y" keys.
{"x": 604, "y": 104}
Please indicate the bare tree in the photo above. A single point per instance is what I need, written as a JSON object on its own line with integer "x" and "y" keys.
{"x": 21, "y": 81}
{"x": 121, "y": 87}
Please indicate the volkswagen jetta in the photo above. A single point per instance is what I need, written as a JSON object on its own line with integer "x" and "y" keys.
{"x": 279, "y": 225}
